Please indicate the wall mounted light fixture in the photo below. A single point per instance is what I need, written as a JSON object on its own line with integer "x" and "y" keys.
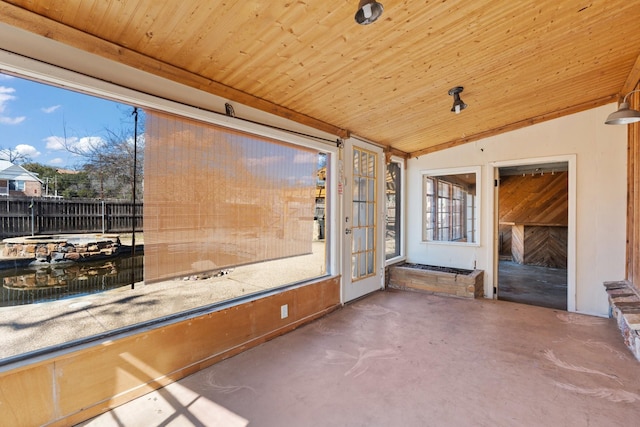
{"x": 624, "y": 115}
{"x": 458, "y": 104}
{"x": 368, "y": 12}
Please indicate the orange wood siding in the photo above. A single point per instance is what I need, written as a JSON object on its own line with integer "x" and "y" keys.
{"x": 68, "y": 388}
{"x": 633, "y": 200}
{"x": 535, "y": 200}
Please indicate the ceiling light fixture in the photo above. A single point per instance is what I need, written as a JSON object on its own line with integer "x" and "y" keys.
{"x": 624, "y": 115}
{"x": 368, "y": 12}
{"x": 458, "y": 104}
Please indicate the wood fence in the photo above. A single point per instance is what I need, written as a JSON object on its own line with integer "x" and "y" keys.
{"x": 22, "y": 216}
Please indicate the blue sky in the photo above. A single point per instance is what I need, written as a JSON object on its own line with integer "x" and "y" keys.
{"x": 35, "y": 118}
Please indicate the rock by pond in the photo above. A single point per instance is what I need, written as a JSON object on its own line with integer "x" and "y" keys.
{"x": 60, "y": 248}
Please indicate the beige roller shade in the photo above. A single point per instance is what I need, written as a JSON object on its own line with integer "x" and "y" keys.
{"x": 216, "y": 197}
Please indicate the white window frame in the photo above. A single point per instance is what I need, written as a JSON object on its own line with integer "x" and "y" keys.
{"x": 54, "y": 75}
{"x": 402, "y": 216}
{"x": 475, "y": 214}
{"x": 28, "y": 68}
{"x": 18, "y": 185}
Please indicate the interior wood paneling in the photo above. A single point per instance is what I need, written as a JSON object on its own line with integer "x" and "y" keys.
{"x": 534, "y": 200}
{"x": 386, "y": 82}
{"x": 505, "y": 241}
{"x": 22, "y": 386}
{"x": 72, "y": 387}
{"x": 517, "y": 243}
{"x": 533, "y": 216}
{"x": 545, "y": 246}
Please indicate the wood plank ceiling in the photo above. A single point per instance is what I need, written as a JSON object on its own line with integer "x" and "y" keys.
{"x": 520, "y": 62}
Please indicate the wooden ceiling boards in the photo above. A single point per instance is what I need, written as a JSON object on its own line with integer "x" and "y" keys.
{"x": 519, "y": 62}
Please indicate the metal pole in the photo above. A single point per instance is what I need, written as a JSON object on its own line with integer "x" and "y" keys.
{"x": 133, "y": 196}
{"x": 103, "y": 218}
{"x": 33, "y": 221}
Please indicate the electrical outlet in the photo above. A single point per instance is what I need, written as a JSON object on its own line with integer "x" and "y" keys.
{"x": 284, "y": 311}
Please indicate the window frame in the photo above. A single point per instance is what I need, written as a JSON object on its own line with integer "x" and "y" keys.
{"x": 464, "y": 217}
{"x": 400, "y": 209}
{"x": 272, "y": 127}
{"x": 17, "y": 185}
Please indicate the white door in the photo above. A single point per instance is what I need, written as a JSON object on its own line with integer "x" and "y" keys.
{"x": 363, "y": 220}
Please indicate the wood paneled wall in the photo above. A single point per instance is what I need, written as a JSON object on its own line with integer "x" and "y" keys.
{"x": 633, "y": 199}
{"x": 541, "y": 245}
{"x": 531, "y": 200}
{"x": 545, "y": 246}
{"x": 516, "y": 246}
{"x": 69, "y": 388}
{"x": 535, "y": 200}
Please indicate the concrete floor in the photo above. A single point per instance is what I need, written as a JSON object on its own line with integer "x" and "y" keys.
{"x": 532, "y": 284}
{"x": 399, "y": 358}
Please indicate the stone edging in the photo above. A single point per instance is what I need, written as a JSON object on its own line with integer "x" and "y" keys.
{"x": 52, "y": 249}
{"x": 625, "y": 308}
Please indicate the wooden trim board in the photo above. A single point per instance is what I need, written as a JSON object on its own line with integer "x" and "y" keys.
{"x": 73, "y": 387}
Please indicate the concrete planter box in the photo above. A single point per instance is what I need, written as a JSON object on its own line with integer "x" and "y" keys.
{"x": 437, "y": 280}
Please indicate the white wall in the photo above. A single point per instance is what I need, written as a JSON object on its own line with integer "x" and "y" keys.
{"x": 600, "y": 190}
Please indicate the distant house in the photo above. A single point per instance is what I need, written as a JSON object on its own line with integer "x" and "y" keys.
{"x": 17, "y": 181}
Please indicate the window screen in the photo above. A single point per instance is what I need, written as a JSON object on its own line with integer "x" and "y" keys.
{"x": 216, "y": 197}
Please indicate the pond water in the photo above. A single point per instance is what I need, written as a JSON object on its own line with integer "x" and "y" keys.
{"x": 33, "y": 285}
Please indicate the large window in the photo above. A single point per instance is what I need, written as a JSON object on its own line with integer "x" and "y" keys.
{"x": 450, "y": 207}
{"x": 229, "y": 214}
{"x": 393, "y": 196}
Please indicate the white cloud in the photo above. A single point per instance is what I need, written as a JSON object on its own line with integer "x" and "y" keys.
{"x": 27, "y": 150}
{"x": 5, "y": 77}
{"x": 56, "y": 161}
{"x": 86, "y": 143}
{"x": 54, "y": 143}
{"x": 141, "y": 140}
{"x": 6, "y": 96}
{"x": 49, "y": 110}
{"x": 12, "y": 120}
{"x": 80, "y": 145}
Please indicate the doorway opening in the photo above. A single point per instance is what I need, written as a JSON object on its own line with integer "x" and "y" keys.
{"x": 533, "y": 216}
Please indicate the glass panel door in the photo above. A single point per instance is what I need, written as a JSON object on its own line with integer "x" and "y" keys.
{"x": 363, "y": 234}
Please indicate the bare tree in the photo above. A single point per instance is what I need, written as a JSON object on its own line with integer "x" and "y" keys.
{"x": 14, "y": 156}
{"x": 109, "y": 161}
